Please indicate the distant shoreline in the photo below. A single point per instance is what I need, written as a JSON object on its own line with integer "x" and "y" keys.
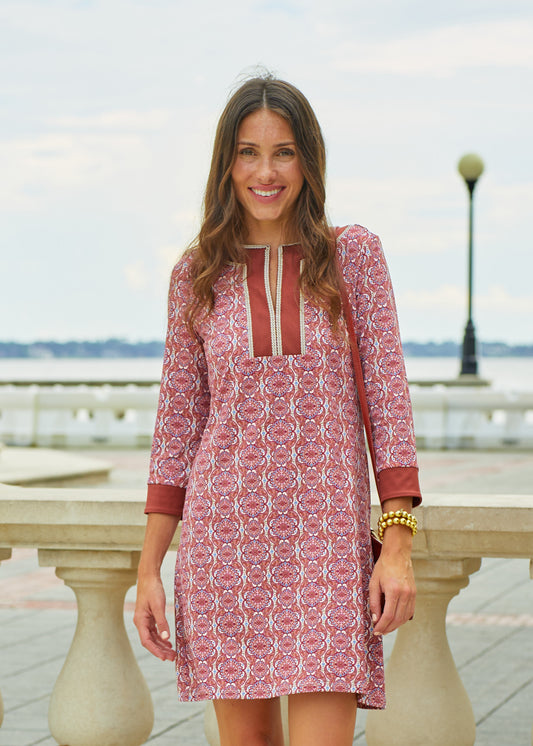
{"x": 120, "y": 348}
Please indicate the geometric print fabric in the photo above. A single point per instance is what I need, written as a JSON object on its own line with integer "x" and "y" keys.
{"x": 274, "y": 559}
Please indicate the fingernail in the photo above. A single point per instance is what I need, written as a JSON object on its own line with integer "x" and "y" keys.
{"x": 377, "y": 634}
{"x": 374, "y": 618}
{"x": 164, "y": 635}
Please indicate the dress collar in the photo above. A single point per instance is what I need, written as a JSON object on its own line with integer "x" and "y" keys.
{"x": 268, "y": 246}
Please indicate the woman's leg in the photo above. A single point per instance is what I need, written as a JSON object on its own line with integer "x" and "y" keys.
{"x": 322, "y": 719}
{"x": 249, "y": 722}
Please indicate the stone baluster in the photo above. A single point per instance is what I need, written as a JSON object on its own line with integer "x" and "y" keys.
{"x": 210, "y": 725}
{"x": 4, "y": 555}
{"x": 100, "y": 697}
{"x": 427, "y": 704}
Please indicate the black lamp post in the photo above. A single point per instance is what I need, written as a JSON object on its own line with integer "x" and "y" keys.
{"x": 470, "y": 167}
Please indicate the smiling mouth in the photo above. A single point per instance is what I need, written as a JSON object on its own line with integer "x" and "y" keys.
{"x": 266, "y": 192}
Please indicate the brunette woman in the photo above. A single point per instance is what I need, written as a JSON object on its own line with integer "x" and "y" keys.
{"x": 259, "y": 445}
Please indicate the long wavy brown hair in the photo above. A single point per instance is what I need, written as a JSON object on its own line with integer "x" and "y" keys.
{"x": 222, "y": 234}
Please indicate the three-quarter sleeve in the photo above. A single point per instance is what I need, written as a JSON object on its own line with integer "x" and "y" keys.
{"x": 183, "y": 406}
{"x": 386, "y": 387}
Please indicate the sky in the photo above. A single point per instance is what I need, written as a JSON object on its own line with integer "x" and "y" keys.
{"x": 107, "y": 116}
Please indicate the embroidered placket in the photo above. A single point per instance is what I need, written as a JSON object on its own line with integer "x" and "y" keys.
{"x": 274, "y": 328}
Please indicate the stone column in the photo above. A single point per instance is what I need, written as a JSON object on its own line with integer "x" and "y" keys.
{"x": 100, "y": 697}
{"x": 210, "y": 725}
{"x": 427, "y": 704}
{"x": 4, "y": 554}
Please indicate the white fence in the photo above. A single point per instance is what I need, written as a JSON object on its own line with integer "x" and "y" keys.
{"x": 79, "y": 416}
{"x": 472, "y": 418}
{"x": 82, "y": 415}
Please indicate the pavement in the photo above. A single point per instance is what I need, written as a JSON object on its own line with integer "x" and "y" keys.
{"x": 490, "y": 623}
{"x": 33, "y": 467}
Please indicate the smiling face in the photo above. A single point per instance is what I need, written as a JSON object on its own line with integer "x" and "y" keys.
{"x": 266, "y": 174}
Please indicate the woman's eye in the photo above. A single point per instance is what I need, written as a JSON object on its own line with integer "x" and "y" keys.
{"x": 246, "y": 151}
{"x": 286, "y": 153}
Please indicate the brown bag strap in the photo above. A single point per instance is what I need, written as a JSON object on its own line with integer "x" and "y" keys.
{"x": 360, "y": 383}
{"x": 358, "y": 368}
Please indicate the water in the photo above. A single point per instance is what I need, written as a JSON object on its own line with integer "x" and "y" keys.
{"x": 80, "y": 369}
{"x": 504, "y": 373}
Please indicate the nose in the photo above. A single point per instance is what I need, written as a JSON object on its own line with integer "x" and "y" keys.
{"x": 265, "y": 170}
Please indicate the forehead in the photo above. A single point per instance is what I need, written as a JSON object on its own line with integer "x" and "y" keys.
{"x": 265, "y": 126}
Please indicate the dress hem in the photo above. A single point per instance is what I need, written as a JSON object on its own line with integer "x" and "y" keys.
{"x": 360, "y": 705}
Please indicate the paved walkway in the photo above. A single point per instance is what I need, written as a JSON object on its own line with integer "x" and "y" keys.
{"x": 490, "y": 624}
{"x": 50, "y": 468}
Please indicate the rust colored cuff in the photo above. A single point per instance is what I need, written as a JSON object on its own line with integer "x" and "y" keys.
{"x": 399, "y": 481}
{"x": 165, "y": 498}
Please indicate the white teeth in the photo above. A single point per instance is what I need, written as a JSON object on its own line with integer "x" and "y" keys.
{"x": 270, "y": 193}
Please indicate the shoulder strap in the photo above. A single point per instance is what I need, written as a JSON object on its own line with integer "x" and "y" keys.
{"x": 356, "y": 361}
{"x": 359, "y": 380}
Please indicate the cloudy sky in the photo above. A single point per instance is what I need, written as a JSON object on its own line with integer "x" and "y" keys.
{"x": 107, "y": 115}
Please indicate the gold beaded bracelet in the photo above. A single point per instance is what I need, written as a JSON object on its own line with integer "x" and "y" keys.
{"x": 394, "y": 518}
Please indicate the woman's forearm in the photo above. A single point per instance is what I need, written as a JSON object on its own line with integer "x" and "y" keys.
{"x": 397, "y": 536}
{"x": 160, "y": 530}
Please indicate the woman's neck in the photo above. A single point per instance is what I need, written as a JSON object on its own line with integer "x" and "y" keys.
{"x": 270, "y": 235}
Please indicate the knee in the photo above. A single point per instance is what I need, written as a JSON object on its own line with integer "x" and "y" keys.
{"x": 253, "y": 736}
{"x": 242, "y": 734}
{"x": 249, "y": 722}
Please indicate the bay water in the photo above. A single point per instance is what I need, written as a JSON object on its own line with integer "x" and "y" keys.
{"x": 504, "y": 373}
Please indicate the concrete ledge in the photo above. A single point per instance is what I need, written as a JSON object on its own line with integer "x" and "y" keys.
{"x": 85, "y": 519}
{"x": 472, "y": 526}
{"x": 449, "y": 525}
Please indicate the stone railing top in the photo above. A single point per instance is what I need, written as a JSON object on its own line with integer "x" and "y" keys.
{"x": 473, "y": 525}
{"x": 102, "y": 519}
{"x": 110, "y": 519}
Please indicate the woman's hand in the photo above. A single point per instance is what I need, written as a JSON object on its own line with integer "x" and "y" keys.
{"x": 149, "y": 617}
{"x": 392, "y": 587}
{"x": 392, "y": 582}
{"x": 150, "y": 620}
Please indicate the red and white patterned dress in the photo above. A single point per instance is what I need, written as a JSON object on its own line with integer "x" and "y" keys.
{"x": 259, "y": 446}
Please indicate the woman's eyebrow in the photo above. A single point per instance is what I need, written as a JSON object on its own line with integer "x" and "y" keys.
{"x": 277, "y": 145}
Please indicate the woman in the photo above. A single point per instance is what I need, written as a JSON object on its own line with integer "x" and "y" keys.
{"x": 259, "y": 445}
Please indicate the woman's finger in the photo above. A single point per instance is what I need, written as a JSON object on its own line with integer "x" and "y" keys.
{"x": 158, "y": 644}
{"x": 160, "y": 648}
{"x": 388, "y": 616}
{"x": 399, "y": 608}
{"x": 376, "y": 599}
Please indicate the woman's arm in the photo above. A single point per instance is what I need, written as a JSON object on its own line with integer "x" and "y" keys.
{"x": 393, "y": 576}
{"x": 180, "y": 421}
{"x": 378, "y": 335}
{"x": 149, "y": 617}
{"x": 183, "y": 407}
{"x": 391, "y": 421}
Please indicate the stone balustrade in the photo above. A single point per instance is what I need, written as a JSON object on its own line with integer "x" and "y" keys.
{"x": 123, "y": 415}
{"x": 454, "y": 418}
{"x": 93, "y": 538}
{"x": 78, "y": 416}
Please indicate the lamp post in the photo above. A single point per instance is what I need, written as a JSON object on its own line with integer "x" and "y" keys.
{"x": 470, "y": 167}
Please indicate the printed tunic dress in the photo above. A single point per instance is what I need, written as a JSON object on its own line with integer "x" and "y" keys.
{"x": 259, "y": 448}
